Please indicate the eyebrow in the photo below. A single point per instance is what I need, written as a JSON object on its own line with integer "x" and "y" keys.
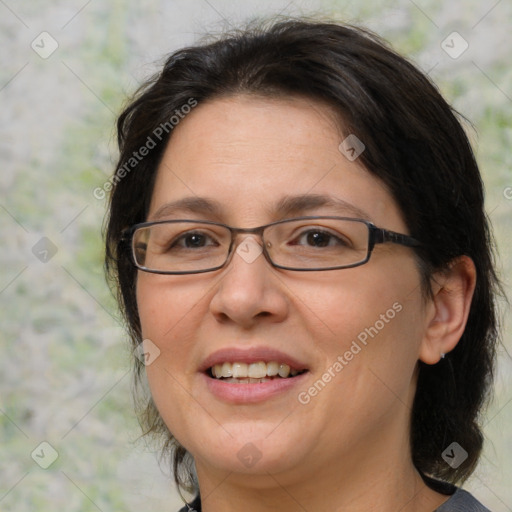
{"x": 298, "y": 205}
{"x": 189, "y": 205}
{"x": 288, "y": 206}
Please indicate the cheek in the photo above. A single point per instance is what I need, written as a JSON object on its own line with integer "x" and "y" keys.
{"x": 367, "y": 329}
{"x": 371, "y": 320}
{"x": 360, "y": 299}
{"x": 165, "y": 304}
{"x": 169, "y": 315}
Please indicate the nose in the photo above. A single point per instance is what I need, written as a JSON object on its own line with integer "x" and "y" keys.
{"x": 250, "y": 291}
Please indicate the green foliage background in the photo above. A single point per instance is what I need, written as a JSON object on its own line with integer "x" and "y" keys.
{"x": 64, "y": 377}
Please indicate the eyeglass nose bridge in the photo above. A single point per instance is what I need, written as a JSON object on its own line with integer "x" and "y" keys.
{"x": 247, "y": 255}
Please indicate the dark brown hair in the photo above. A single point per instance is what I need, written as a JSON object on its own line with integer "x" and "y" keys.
{"x": 414, "y": 144}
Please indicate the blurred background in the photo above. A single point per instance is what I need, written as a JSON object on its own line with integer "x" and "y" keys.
{"x": 66, "y": 70}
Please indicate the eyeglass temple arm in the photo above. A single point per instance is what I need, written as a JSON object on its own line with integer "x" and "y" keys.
{"x": 381, "y": 235}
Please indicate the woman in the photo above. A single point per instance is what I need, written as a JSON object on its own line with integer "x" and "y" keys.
{"x": 298, "y": 237}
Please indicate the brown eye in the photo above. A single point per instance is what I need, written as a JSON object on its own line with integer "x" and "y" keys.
{"x": 193, "y": 240}
{"x": 319, "y": 238}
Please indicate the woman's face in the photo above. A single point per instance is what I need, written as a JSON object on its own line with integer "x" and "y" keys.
{"x": 356, "y": 332}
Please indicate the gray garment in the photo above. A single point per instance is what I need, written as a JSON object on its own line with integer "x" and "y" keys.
{"x": 462, "y": 501}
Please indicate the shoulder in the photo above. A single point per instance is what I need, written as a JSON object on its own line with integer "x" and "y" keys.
{"x": 462, "y": 501}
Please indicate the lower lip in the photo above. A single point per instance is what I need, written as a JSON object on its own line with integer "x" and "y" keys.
{"x": 251, "y": 393}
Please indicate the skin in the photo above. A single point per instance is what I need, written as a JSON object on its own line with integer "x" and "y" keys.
{"x": 348, "y": 448}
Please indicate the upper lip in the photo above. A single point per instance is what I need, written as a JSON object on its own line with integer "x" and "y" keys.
{"x": 251, "y": 355}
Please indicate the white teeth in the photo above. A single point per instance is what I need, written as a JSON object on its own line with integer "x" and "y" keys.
{"x": 284, "y": 370}
{"x": 257, "y": 370}
{"x": 227, "y": 370}
{"x": 252, "y": 372}
{"x": 272, "y": 369}
{"x": 240, "y": 370}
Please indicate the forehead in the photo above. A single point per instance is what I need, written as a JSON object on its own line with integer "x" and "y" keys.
{"x": 249, "y": 155}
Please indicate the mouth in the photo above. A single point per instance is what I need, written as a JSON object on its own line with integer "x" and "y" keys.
{"x": 252, "y": 373}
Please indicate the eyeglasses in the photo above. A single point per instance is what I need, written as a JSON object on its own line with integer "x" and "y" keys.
{"x": 301, "y": 244}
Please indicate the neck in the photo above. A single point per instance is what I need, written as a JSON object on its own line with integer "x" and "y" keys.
{"x": 376, "y": 475}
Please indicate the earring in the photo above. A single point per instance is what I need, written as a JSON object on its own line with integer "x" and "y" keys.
{"x": 442, "y": 355}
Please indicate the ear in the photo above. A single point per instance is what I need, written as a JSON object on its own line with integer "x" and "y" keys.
{"x": 448, "y": 309}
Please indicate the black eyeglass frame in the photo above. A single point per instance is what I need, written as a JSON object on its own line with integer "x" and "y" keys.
{"x": 376, "y": 236}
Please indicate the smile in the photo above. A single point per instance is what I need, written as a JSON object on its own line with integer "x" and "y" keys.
{"x": 253, "y": 373}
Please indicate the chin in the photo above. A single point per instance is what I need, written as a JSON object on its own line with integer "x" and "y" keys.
{"x": 257, "y": 464}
